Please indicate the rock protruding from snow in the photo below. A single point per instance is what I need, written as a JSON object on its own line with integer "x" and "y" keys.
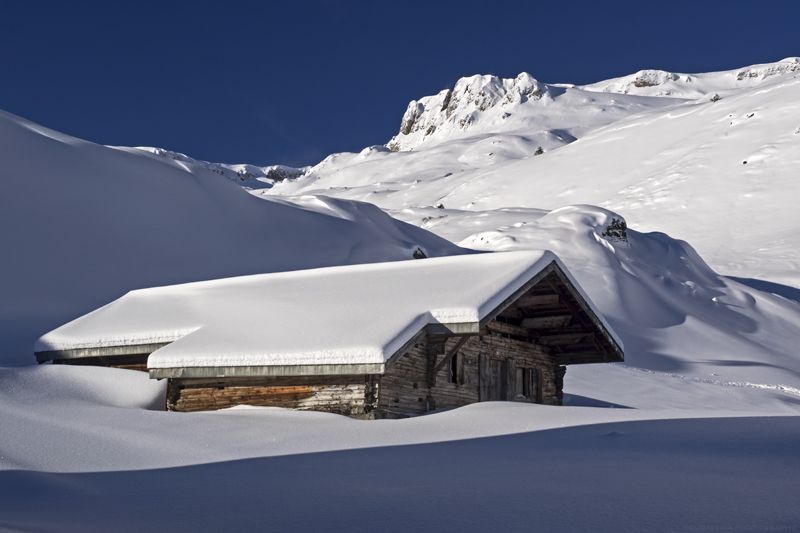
{"x": 642, "y": 79}
{"x": 474, "y": 99}
{"x": 760, "y": 72}
{"x": 266, "y": 175}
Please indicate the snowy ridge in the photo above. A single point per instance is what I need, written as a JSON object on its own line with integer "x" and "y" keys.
{"x": 258, "y": 177}
{"x": 669, "y": 84}
{"x": 481, "y": 104}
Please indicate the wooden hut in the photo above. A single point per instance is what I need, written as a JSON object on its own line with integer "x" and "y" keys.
{"x": 368, "y": 341}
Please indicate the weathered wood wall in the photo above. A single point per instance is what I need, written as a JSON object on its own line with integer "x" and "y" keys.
{"x": 405, "y": 387}
{"x": 486, "y": 371}
{"x": 353, "y": 396}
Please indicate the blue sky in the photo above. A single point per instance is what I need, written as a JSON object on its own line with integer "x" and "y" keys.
{"x": 290, "y": 82}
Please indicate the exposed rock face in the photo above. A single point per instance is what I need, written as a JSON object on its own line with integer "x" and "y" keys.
{"x": 473, "y": 99}
{"x": 616, "y": 230}
{"x": 791, "y": 64}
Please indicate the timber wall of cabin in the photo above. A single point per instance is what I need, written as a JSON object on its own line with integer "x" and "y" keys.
{"x": 405, "y": 388}
{"x": 353, "y": 396}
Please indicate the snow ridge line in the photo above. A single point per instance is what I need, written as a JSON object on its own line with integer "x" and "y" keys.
{"x": 744, "y": 384}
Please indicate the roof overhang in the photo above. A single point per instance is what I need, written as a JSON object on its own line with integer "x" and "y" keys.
{"x": 609, "y": 349}
{"x": 266, "y": 371}
{"x": 99, "y": 351}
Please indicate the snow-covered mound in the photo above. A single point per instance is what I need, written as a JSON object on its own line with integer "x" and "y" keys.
{"x": 252, "y": 176}
{"x": 82, "y": 224}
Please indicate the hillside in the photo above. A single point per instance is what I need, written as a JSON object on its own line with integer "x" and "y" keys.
{"x": 718, "y": 174}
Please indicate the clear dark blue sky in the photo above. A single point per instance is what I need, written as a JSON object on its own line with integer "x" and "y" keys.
{"x": 290, "y": 82}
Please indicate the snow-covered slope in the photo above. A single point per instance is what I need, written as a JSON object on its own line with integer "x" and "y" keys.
{"x": 82, "y": 224}
{"x": 481, "y": 104}
{"x": 671, "y": 165}
{"x": 665, "y": 164}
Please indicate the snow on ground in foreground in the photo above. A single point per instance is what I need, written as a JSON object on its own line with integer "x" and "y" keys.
{"x": 81, "y": 452}
{"x": 82, "y": 224}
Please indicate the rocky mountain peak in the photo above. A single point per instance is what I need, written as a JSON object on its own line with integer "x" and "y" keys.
{"x": 473, "y": 99}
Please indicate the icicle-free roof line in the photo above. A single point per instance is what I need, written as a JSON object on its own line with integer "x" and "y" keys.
{"x": 350, "y": 319}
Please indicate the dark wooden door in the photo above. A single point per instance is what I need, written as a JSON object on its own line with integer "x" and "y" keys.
{"x": 497, "y": 379}
{"x": 496, "y": 385}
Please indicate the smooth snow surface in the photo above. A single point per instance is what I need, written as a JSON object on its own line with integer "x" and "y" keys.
{"x": 359, "y": 314}
{"x": 83, "y": 440}
{"x": 82, "y": 224}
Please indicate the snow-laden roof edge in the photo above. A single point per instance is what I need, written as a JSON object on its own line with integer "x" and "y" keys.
{"x": 189, "y": 329}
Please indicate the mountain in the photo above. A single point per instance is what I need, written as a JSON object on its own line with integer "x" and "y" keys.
{"x": 716, "y": 172}
{"x": 706, "y": 187}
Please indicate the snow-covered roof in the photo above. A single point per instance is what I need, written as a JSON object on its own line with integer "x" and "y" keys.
{"x": 354, "y": 318}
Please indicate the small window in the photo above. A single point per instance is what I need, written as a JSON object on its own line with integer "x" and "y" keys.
{"x": 455, "y": 372}
{"x": 524, "y": 382}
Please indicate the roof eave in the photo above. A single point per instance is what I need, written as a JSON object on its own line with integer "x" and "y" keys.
{"x": 267, "y": 371}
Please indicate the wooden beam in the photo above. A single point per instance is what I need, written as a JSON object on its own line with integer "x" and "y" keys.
{"x": 567, "y": 338}
{"x": 450, "y": 355}
{"x": 508, "y": 329}
{"x": 579, "y": 358}
{"x": 572, "y": 309}
{"x": 553, "y": 321}
{"x": 533, "y": 301}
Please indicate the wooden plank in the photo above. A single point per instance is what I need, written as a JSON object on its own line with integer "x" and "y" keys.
{"x": 579, "y": 358}
{"x": 510, "y": 377}
{"x": 539, "y": 386}
{"x": 518, "y": 293}
{"x": 554, "y": 321}
{"x": 449, "y": 355}
{"x": 485, "y": 377}
{"x": 508, "y": 329}
{"x": 561, "y": 340}
{"x": 533, "y": 301}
